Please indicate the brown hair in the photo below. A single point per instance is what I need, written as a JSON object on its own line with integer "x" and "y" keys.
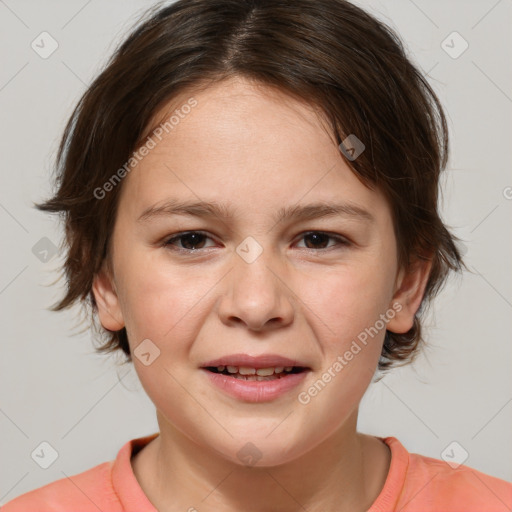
{"x": 329, "y": 53}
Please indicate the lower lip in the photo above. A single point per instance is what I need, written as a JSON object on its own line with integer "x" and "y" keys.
{"x": 256, "y": 390}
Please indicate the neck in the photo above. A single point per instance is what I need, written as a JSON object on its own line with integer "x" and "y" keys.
{"x": 345, "y": 472}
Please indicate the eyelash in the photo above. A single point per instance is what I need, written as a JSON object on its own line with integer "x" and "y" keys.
{"x": 341, "y": 241}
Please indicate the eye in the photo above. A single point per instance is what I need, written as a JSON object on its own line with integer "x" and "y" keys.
{"x": 190, "y": 241}
{"x": 319, "y": 238}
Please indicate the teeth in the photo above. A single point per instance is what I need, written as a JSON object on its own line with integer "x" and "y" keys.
{"x": 262, "y": 372}
{"x": 244, "y": 370}
{"x": 254, "y": 377}
{"x": 265, "y": 372}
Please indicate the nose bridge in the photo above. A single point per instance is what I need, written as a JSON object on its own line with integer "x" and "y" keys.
{"x": 253, "y": 268}
{"x": 256, "y": 295}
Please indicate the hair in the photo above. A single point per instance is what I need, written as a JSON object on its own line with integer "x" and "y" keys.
{"x": 327, "y": 53}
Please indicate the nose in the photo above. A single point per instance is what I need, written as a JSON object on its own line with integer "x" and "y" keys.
{"x": 256, "y": 295}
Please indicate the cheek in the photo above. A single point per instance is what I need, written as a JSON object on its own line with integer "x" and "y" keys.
{"x": 160, "y": 301}
{"x": 351, "y": 303}
{"x": 347, "y": 301}
{"x": 164, "y": 306}
{"x": 348, "y": 308}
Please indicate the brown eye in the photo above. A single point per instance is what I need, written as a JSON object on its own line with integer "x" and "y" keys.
{"x": 191, "y": 241}
{"x": 320, "y": 240}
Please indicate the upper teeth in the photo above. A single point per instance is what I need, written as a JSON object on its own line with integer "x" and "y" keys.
{"x": 245, "y": 370}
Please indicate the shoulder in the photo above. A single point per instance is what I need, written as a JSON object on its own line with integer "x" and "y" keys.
{"x": 110, "y": 486}
{"x": 87, "y": 491}
{"x": 433, "y": 484}
{"x": 460, "y": 486}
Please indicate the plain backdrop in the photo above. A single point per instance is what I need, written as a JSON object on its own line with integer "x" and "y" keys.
{"x": 55, "y": 389}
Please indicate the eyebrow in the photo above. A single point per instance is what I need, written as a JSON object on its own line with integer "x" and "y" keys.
{"x": 221, "y": 210}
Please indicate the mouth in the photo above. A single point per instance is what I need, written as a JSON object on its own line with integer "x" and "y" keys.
{"x": 256, "y": 374}
{"x": 261, "y": 378}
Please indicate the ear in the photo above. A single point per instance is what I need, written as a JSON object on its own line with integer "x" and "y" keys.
{"x": 409, "y": 289}
{"x": 105, "y": 294}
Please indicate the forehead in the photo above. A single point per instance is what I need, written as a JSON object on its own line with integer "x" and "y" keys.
{"x": 245, "y": 144}
{"x": 237, "y": 118}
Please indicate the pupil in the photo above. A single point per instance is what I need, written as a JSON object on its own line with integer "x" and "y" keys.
{"x": 194, "y": 241}
{"x": 316, "y": 236}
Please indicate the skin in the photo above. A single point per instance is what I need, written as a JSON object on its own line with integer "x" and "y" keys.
{"x": 257, "y": 150}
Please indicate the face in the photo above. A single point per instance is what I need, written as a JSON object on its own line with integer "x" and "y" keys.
{"x": 253, "y": 284}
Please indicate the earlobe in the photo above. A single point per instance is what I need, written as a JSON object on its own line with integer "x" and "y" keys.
{"x": 107, "y": 301}
{"x": 410, "y": 288}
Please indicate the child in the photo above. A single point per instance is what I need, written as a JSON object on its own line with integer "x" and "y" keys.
{"x": 250, "y": 197}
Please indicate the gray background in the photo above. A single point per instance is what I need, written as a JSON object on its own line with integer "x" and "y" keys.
{"x": 55, "y": 389}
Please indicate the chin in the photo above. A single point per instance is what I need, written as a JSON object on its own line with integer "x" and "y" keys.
{"x": 264, "y": 450}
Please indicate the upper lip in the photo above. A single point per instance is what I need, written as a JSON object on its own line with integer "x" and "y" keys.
{"x": 261, "y": 361}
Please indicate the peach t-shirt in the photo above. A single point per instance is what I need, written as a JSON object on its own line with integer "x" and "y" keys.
{"x": 414, "y": 483}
